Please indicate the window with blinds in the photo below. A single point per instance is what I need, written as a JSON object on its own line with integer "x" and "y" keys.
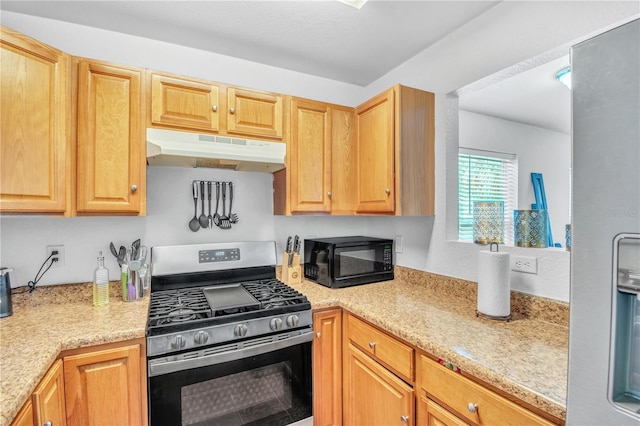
{"x": 486, "y": 176}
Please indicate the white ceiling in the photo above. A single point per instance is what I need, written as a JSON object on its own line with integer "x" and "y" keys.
{"x": 532, "y": 97}
{"x": 323, "y": 38}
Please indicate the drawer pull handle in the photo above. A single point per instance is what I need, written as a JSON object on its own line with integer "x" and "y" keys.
{"x": 472, "y": 407}
{"x": 404, "y": 419}
{"x": 318, "y": 335}
{"x": 372, "y": 345}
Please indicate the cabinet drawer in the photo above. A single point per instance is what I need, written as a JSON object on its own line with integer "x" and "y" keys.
{"x": 457, "y": 393}
{"x": 396, "y": 355}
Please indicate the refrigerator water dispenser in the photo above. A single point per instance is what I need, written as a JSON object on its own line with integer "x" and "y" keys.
{"x": 624, "y": 372}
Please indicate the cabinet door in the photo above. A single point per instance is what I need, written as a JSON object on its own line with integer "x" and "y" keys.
{"x": 372, "y": 394}
{"x": 310, "y": 157}
{"x": 375, "y": 154}
{"x": 104, "y": 387}
{"x": 431, "y": 414}
{"x": 49, "y": 397}
{"x": 24, "y": 416}
{"x": 327, "y": 368}
{"x": 343, "y": 160}
{"x": 111, "y": 139}
{"x": 255, "y": 113}
{"x": 35, "y": 157}
{"x": 180, "y": 102}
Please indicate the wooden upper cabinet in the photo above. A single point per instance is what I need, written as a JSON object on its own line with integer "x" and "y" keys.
{"x": 181, "y": 102}
{"x": 320, "y": 173}
{"x": 254, "y": 113}
{"x": 395, "y": 153}
{"x": 49, "y": 397}
{"x": 111, "y": 143}
{"x": 310, "y": 157}
{"x": 35, "y": 147}
{"x": 104, "y": 387}
{"x": 375, "y": 155}
{"x": 343, "y": 163}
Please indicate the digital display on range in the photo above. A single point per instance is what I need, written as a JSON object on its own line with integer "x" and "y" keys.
{"x": 225, "y": 255}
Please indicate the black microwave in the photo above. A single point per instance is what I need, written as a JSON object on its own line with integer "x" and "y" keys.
{"x": 347, "y": 261}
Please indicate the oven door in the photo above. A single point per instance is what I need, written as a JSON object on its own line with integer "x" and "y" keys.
{"x": 253, "y": 384}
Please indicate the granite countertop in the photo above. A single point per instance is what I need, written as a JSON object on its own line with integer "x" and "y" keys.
{"x": 53, "y": 319}
{"x": 526, "y": 357}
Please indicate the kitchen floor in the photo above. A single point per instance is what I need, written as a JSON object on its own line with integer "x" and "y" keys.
{"x": 304, "y": 422}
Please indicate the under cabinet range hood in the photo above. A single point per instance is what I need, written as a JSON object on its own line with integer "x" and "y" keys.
{"x": 185, "y": 149}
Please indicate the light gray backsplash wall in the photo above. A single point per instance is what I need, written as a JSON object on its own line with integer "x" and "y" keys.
{"x": 169, "y": 209}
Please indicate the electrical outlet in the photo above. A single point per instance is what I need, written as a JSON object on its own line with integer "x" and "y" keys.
{"x": 399, "y": 243}
{"x": 525, "y": 264}
{"x": 60, "y": 255}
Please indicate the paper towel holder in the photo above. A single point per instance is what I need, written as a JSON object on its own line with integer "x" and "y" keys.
{"x": 493, "y": 317}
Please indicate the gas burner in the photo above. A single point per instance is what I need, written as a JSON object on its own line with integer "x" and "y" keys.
{"x": 273, "y": 293}
{"x": 178, "y": 306}
{"x": 181, "y": 315}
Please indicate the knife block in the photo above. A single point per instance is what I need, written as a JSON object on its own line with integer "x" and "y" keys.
{"x": 291, "y": 274}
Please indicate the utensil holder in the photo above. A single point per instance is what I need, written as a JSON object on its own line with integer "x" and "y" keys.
{"x": 291, "y": 274}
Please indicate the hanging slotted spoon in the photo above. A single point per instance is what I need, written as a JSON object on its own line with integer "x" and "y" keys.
{"x": 225, "y": 223}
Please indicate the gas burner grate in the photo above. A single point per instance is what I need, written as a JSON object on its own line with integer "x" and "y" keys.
{"x": 178, "y": 306}
{"x": 273, "y": 293}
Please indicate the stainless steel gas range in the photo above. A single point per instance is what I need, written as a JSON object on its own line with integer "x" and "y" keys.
{"x": 227, "y": 343}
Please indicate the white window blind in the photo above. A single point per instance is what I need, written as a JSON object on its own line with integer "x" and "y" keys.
{"x": 486, "y": 176}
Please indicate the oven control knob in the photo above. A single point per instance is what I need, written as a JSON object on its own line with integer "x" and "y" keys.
{"x": 240, "y": 330}
{"x": 292, "y": 321}
{"x": 200, "y": 338}
{"x": 275, "y": 324}
{"x": 178, "y": 342}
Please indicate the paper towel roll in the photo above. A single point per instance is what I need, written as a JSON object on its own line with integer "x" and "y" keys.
{"x": 494, "y": 284}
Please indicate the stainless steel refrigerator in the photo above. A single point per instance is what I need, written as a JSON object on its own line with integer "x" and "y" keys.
{"x": 604, "y": 327}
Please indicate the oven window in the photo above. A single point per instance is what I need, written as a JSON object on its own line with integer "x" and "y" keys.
{"x": 356, "y": 262}
{"x": 260, "y": 395}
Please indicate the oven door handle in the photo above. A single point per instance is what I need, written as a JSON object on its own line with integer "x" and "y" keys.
{"x": 160, "y": 366}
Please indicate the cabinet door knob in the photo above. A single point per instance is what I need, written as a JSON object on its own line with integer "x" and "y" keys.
{"x": 214, "y": 108}
{"x": 318, "y": 335}
{"x": 134, "y": 188}
{"x": 404, "y": 419}
{"x": 388, "y": 191}
{"x": 472, "y": 407}
{"x": 372, "y": 345}
{"x": 232, "y": 110}
{"x": 329, "y": 194}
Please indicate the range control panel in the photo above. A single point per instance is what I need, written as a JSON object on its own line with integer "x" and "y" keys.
{"x": 220, "y": 255}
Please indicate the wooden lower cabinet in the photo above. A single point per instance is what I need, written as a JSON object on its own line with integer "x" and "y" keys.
{"x": 24, "y": 416}
{"x": 49, "y": 398}
{"x": 327, "y": 368}
{"x": 47, "y": 402}
{"x": 431, "y": 414}
{"x": 372, "y": 394}
{"x": 469, "y": 401}
{"x": 105, "y": 387}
